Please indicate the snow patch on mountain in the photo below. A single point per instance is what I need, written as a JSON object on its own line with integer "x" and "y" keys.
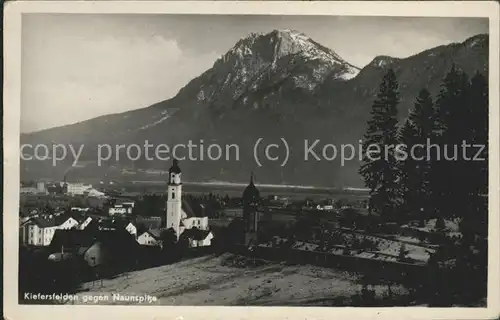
{"x": 350, "y": 73}
{"x": 382, "y": 61}
{"x": 164, "y": 116}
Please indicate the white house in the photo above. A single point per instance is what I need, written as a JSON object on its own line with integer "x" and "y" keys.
{"x": 202, "y": 241}
{"x": 94, "y": 193}
{"x": 197, "y": 222}
{"x": 325, "y": 207}
{"x": 150, "y": 238}
{"x": 76, "y": 188}
{"x": 128, "y": 204}
{"x": 40, "y": 186}
{"x": 40, "y": 231}
{"x": 28, "y": 190}
{"x": 120, "y": 209}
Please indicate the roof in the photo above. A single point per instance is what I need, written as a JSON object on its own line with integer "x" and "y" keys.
{"x": 72, "y": 239}
{"x": 196, "y": 234}
{"x": 155, "y": 233}
{"x": 191, "y": 208}
{"x": 221, "y": 222}
{"x": 82, "y": 250}
{"x": 114, "y": 224}
{"x": 145, "y": 223}
{"x": 50, "y": 222}
{"x": 82, "y": 219}
{"x": 81, "y": 239}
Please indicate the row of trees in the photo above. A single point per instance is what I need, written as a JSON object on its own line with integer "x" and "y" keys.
{"x": 447, "y": 180}
{"x": 445, "y": 170}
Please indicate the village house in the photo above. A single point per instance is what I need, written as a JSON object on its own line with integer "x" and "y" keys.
{"x": 33, "y": 188}
{"x": 120, "y": 209}
{"x": 327, "y": 207}
{"x": 75, "y": 188}
{"x": 39, "y": 231}
{"x": 92, "y": 192}
{"x": 198, "y": 238}
{"x": 150, "y": 238}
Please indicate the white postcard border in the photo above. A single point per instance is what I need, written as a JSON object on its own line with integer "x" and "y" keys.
{"x": 12, "y": 87}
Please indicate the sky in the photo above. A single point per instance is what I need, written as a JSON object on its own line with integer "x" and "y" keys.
{"x": 79, "y": 66}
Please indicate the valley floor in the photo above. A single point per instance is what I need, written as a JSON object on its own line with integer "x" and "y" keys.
{"x": 225, "y": 280}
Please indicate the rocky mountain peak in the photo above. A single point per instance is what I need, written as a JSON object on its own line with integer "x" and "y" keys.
{"x": 382, "y": 61}
{"x": 281, "y": 43}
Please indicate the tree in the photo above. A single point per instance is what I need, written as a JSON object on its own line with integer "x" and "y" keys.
{"x": 476, "y": 170}
{"x": 459, "y": 189}
{"x": 409, "y": 182}
{"x": 447, "y": 173}
{"x": 169, "y": 245}
{"x": 424, "y": 119}
{"x": 416, "y": 133}
{"x": 379, "y": 170}
{"x": 168, "y": 238}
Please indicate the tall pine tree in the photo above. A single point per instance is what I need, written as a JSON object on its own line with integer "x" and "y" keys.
{"x": 475, "y": 169}
{"x": 447, "y": 168}
{"x": 379, "y": 169}
{"x": 409, "y": 183}
{"x": 418, "y": 131}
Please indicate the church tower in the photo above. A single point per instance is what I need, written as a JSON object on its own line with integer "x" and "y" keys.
{"x": 174, "y": 198}
{"x": 251, "y": 202}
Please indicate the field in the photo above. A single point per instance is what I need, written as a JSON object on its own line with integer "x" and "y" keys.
{"x": 229, "y": 280}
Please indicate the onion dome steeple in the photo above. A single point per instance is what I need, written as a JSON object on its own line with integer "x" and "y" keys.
{"x": 175, "y": 167}
{"x": 251, "y": 194}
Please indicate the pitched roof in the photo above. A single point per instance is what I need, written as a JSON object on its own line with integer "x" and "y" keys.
{"x": 80, "y": 239}
{"x": 155, "y": 233}
{"x": 191, "y": 208}
{"x": 196, "y": 234}
{"x": 146, "y": 223}
{"x": 114, "y": 224}
{"x": 50, "y": 222}
{"x": 72, "y": 239}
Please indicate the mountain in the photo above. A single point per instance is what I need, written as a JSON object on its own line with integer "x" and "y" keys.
{"x": 281, "y": 84}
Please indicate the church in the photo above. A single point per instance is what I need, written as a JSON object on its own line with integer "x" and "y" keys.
{"x": 251, "y": 212}
{"x": 179, "y": 214}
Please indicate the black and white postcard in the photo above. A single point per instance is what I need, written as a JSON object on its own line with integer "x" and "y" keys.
{"x": 196, "y": 160}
